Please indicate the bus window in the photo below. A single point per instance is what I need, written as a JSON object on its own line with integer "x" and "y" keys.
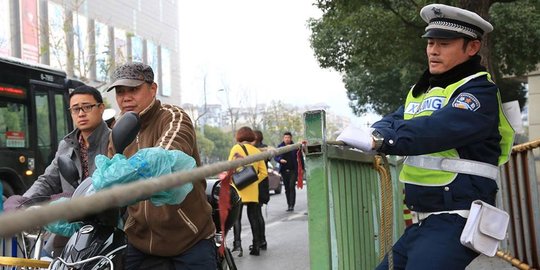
{"x": 61, "y": 117}
{"x": 13, "y": 125}
{"x": 43, "y": 126}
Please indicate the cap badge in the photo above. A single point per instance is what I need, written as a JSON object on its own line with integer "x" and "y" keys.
{"x": 437, "y": 12}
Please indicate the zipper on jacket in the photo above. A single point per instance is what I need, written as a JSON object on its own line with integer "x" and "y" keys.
{"x": 148, "y": 224}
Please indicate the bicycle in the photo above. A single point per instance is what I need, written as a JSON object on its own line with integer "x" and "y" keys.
{"x": 28, "y": 243}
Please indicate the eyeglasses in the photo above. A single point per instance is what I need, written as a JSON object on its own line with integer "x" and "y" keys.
{"x": 85, "y": 108}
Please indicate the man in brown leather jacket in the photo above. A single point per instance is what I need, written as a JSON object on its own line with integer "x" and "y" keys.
{"x": 182, "y": 232}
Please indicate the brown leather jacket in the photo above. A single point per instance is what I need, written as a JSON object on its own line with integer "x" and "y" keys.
{"x": 168, "y": 230}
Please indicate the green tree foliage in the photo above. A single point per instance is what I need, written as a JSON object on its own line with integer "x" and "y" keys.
{"x": 278, "y": 118}
{"x": 205, "y": 146}
{"x": 215, "y": 144}
{"x": 222, "y": 144}
{"x": 376, "y": 44}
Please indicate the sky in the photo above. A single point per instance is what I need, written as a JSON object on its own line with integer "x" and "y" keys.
{"x": 258, "y": 51}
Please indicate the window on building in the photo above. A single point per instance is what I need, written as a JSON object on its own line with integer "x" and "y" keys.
{"x": 102, "y": 51}
{"x": 81, "y": 51}
{"x": 136, "y": 49}
{"x": 57, "y": 36}
{"x": 152, "y": 59}
{"x": 166, "y": 83}
{"x": 5, "y": 31}
{"x": 120, "y": 46}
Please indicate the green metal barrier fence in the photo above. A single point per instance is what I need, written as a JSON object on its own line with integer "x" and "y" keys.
{"x": 345, "y": 203}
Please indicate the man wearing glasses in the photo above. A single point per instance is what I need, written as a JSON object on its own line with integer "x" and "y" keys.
{"x": 89, "y": 139}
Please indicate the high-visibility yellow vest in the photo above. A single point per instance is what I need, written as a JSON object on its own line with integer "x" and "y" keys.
{"x": 425, "y": 105}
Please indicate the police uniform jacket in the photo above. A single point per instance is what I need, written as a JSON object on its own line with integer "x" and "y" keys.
{"x": 473, "y": 133}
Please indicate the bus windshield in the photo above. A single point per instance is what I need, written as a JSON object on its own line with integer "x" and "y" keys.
{"x": 13, "y": 125}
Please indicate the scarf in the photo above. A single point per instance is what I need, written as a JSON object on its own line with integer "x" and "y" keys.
{"x": 428, "y": 80}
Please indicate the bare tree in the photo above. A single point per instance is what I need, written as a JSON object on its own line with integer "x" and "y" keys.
{"x": 254, "y": 115}
{"x": 233, "y": 112}
{"x": 192, "y": 111}
{"x": 204, "y": 111}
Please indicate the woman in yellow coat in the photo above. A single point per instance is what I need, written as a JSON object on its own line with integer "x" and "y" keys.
{"x": 250, "y": 194}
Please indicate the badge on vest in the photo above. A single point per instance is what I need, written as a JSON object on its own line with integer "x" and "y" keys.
{"x": 466, "y": 101}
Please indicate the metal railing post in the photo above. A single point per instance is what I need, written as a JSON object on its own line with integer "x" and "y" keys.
{"x": 344, "y": 202}
{"x": 319, "y": 205}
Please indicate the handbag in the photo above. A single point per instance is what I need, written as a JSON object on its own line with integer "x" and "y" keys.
{"x": 246, "y": 176}
{"x": 486, "y": 226}
{"x": 264, "y": 191}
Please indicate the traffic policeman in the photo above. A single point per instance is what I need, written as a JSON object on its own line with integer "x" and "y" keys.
{"x": 455, "y": 135}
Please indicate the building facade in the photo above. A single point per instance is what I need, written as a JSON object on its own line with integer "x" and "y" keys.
{"x": 89, "y": 38}
{"x": 533, "y": 117}
{"x": 534, "y": 105}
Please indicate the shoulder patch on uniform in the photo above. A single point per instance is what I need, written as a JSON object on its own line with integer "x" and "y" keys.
{"x": 466, "y": 101}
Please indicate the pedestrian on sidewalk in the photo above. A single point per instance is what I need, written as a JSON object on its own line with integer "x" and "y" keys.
{"x": 250, "y": 194}
{"x": 288, "y": 167}
{"x": 264, "y": 187}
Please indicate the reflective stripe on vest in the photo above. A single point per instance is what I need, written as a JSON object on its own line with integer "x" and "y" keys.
{"x": 454, "y": 165}
{"x": 424, "y": 170}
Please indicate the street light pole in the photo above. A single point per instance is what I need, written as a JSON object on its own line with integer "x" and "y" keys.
{"x": 203, "y": 118}
{"x": 221, "y": 103}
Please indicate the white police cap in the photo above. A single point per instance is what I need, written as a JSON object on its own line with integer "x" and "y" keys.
{"x": 452, "y": 22}
{"x": 108, "y": 114}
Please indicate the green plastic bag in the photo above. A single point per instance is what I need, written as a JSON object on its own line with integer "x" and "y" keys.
{"x": 62, "y": 227}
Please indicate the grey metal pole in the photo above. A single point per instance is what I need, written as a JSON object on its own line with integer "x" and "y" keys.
{"x": 16, "y": 50}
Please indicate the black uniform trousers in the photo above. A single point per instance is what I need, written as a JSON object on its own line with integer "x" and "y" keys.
{"x": 432, "y": 244}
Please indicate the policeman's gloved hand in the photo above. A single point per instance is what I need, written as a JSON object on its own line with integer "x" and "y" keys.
{"x": 14, "y": 202}
{"x": 357, "y": 137}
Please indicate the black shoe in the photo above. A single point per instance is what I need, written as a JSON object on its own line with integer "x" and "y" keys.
{"x": 254, "y": 250}
{"x": 237, "y": 250}
{"x": 262, "y": 246}
{"x": 289, "y": 209}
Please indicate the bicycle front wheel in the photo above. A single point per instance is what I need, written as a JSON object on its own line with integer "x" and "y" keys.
{"x": 228, "y": 261}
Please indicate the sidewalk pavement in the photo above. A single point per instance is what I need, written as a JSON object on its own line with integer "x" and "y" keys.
{"x": 488, "y": 263}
